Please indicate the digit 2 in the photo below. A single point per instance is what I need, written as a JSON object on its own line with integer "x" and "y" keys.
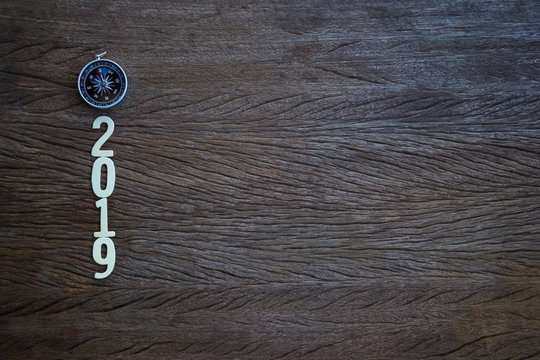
{"x": 103, "y": 235}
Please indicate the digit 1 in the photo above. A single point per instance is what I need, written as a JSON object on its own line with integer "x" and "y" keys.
{"x": 104, "y": 224}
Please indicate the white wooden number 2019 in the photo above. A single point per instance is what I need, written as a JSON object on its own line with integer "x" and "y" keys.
{"x": 103, "y": 235}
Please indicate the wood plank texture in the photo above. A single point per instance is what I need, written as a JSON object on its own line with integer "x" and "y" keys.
{"x": 303, "y": 179}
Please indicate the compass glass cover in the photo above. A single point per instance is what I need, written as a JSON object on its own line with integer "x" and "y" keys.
{"x": 102, "y": 83}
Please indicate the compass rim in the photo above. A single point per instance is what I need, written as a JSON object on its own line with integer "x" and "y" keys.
{"x": 119, "y": 98}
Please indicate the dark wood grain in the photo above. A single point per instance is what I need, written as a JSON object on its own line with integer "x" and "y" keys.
{"x": 315, "y": 180}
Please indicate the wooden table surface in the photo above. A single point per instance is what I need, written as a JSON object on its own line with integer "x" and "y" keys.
{"x": 301, "y": 179}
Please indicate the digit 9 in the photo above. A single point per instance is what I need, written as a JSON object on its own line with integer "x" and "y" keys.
{"x": 109, "y": 259}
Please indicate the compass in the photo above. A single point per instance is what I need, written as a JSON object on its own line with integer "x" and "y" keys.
{"x": 102, "y": 83}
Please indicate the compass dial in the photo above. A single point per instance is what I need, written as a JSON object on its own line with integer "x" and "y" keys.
{"x": 102, "y": 83}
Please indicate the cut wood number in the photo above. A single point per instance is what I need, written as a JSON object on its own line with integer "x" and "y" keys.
{"x": 103, "y": 161}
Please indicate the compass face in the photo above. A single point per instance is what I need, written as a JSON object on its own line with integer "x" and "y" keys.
{"x": 102, "y": 83}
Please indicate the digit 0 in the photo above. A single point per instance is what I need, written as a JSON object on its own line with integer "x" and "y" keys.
{"x": 96, "y": 177}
